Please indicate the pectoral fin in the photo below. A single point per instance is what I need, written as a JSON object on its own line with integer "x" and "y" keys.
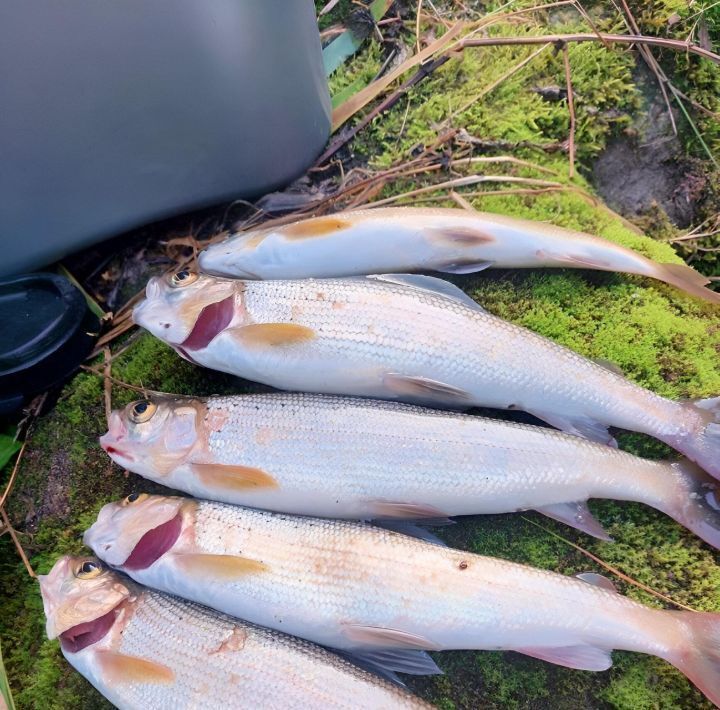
{"x": 119, "y": 668}
{"x": 426, "y": 390}
{"x": 577, "y": 515}
{"x": 218, "y": 567}
{"x": 232, "y": 478}
{"x": 379, "y": 636}
{"x": 272, "y": 334}
{"x": 583, "y": 658}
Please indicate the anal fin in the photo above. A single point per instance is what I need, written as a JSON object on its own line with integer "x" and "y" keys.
{"x": 232, "y": 478}
{"x": 586, "y": 427}
{"x": 577, "y": 515}
{"x": 387, "y": 662}
{"x": 582, "y": 658}
{"x": 406, "y": 511}
{"x": 426, "y": 390}
{"x": 386, "y": 638}
{"x": 119, "y": 668}
{"x": 218, "y": 567}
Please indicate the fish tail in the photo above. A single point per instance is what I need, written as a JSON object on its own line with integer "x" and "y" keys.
{"x": 686, "y": 279}
{"x": 695, "y": 502}
{"x": 698, "y": 657}
{"x": 703, "y": 444}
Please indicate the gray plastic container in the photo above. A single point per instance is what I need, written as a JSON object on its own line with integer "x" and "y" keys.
{"x": 114, "y": 113}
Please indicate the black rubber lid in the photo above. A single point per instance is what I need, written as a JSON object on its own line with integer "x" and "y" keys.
{"x": 47, "y": 331}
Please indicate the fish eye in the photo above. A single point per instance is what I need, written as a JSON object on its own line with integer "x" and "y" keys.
{"x": 183, "y": 278}
{"x": 89, "y": 569}
{"x": 142, "y": 410}
{"x": 133, "y": 498}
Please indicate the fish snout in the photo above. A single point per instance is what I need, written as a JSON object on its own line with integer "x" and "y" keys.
{"x": 152, "y": 290}
{"x": 101, "y": 537}
{"x": 111, "y": 442}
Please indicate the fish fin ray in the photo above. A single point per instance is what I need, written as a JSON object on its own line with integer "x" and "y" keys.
{"x": 411, "y": 528}
{"x": 577, "y": 515}
{"x": 272, "y": 334}
{"x": 686, "y": 279}
{"x": 386, "y": 662}
{"x": 582, "y": 657}
{"x": 431, "y": 285}
{"x": 580, "y": 261}
{"x": 227, "y": 567}
{"x": 410, "y": 511}
{"x": 464, "y": 267}
{"x": 232, "y": 478}
{"x": 583, "y": 426}
{"x": 380, "y": 636}
{"x": 609, "y": 366}
{"x": 121, "y": 668}
{"x": 598, "y": 580}
{"x": 426, "y": 390}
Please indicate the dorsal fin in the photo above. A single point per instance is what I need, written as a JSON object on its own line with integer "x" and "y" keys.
{"x": 430, "y": 284}
{"x": 597, "y": 580}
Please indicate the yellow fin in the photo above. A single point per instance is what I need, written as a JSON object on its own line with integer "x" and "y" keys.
{"x": 119, "y": 668}
{"x": 272, "y": 334}
{"x": 233, "y": 478}
{"x": 223, "y": 567}
{"x": 318, "y": 227}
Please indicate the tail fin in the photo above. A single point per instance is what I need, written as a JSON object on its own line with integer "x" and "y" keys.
{"x": 702, "y": 445}
{"x": 686, "y": 279}
{"x": 699, "y": 657}
{"x": 697, "y": 503}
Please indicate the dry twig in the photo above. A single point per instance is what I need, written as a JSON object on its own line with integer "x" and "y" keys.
{"x": 571, "y": 109}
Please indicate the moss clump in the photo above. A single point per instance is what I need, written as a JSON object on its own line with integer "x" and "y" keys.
{"x": 661, "y": 338}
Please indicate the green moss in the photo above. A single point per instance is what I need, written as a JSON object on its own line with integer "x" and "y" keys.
{"x": 661, "y": 338}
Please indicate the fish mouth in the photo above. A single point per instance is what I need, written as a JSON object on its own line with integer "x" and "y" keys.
{"x": 114, "y": 452}
{"x": 154, "y": 544}
{"x": 81, "y": 636}
{"x": 213, "y": 319}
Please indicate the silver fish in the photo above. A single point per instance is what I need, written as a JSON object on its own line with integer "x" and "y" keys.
{"x": 340, "y": 457}
{"x": 400, "y": 239}
{"x": 145, "y": 649}
{"x": 356, "y": 586}
{"x": 411, "y": 338}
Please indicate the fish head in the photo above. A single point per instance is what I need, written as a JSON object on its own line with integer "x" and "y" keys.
{"x": 187, "y": 309}
{"x": 238, "y": 255}
{"x": 82, "y": 599}
{"x": 135, "y": 532}
{"x": 154, "y": 435}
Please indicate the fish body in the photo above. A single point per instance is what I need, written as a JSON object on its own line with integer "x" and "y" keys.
{"x": 410, "y": 338}
{"x": 340, "y": 457}
{"x": 352, "y": 585}
{"x": 147, "y": 649}
{"x": 407, "y": 239}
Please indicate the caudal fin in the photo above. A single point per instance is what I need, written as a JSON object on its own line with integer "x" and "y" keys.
{"x": 703, "y": 445}
{"x": 686, "y": 279}
{"x": 699, "y": 657}
{"x": 696, "y": 504}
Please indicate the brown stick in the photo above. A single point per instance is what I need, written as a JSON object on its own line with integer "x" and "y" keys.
{"x": 674, "y": 44}
{"x": 11, "y": 530}
{"x": 571, "y": 109}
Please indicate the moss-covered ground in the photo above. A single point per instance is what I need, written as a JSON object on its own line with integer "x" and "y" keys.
{"x": 661, "y": 338}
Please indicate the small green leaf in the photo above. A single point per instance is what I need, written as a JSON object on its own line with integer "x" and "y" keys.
{"x": 8, "y": 448}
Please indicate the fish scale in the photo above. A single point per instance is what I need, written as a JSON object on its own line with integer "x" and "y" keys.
{"x": 381, "y": 320}
{"x": 324, "y": 579}
{"x": 163, "y": 652}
